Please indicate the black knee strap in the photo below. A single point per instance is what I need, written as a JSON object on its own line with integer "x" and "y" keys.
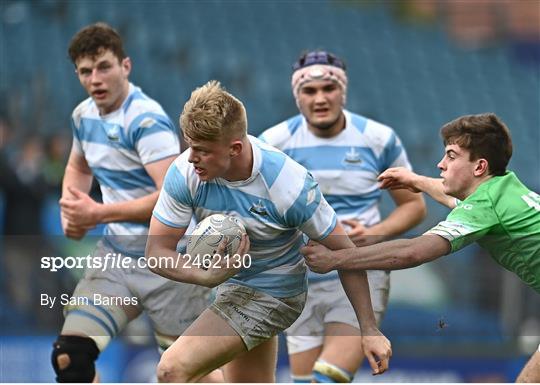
{"x": 82, "y": 353}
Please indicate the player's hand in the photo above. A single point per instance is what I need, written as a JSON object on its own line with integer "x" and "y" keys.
{"x": 361, "y": 235}
{"x": 80, "y": 210}
{"x": 73, "y": 232}
{"x": 222, "y": 266}
{"x": 378, "y": 350}
{"x": 319, "y": 258}
{"x": 70, "y": 230}
{"x": 244, "y": 246}
{"x": 398, "y": 178}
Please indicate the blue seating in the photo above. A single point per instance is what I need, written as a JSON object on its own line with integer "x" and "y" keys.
{"x": 410, "y": 77}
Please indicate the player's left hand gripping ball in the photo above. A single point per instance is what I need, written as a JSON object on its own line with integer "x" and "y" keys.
{"x": 224, "y": 266}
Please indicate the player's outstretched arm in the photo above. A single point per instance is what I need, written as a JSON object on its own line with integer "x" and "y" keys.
{"x": 163, "y": 259}
{"x": 391, "y": 255}
{"x": 376, "y": 346}
{"x": 401, "y": 178}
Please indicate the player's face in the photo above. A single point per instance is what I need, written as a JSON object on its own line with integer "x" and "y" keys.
{"x": 105, "y": 79}
{"x": 320, "y": 101}
{"x": 457, "y": 171}
{"x": 210, "y": 159}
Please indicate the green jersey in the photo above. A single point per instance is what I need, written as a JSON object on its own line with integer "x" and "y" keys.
{"x": 503, "y": 216}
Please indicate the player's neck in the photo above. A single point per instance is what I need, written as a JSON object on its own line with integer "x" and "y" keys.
{"x": 241, "y": 165}
{"x": 473, "y": 187}
{"x": 118, "y": 102}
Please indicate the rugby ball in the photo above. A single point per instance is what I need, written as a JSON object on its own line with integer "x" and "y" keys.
{"x": 208, "y": 234}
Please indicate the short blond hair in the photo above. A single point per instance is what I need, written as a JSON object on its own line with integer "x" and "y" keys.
{"x": 213, "y": 114}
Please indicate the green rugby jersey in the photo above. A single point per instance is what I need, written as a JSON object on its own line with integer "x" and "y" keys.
{"x": 503, "y": 216}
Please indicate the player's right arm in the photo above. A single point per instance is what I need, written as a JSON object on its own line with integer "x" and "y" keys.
{"x": 171, "y": 217}
{"x": 76, "y": 175}
{"x": 401, "y": 178}
{"x": 161, "y": 248}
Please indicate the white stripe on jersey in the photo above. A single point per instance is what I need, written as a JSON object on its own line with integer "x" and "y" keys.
{"x": 142, "y": 105}
{"x": 355, "y": 183}
{"x": 85, "y": 108}
{"x": 370, "y": 217}
{"x": 171, "y": 212}
{"x": 377, "y": 136}
{"x": 157, "y": 146}
{"x": 112, "y": 195}
{"x": 288, "y": 185}
{"x": 450, "y": 230}
{"x": 97, "y": 154}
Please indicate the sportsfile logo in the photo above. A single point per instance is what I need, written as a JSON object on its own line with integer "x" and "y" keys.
{"x": 108, "y": 261}
{"x": 118, "y": 261}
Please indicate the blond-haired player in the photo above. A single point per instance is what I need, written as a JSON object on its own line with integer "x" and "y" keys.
{"x": 228, "y": 171}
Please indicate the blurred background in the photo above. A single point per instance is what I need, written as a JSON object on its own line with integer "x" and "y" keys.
{"x": 412, "y": 64}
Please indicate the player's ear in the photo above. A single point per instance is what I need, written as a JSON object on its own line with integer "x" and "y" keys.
{"x": 236, "y": 148}
{"x": 482, "y": 167}
{"x": 126, "y": 65}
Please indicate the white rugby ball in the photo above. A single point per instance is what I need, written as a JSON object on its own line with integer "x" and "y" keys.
{"x": 208, "y": 234}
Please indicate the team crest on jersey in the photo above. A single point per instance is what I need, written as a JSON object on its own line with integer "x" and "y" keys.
{"x": 113, "y": 133}
{"x": 258, "y": 208}
{"x": 352, "y": 158}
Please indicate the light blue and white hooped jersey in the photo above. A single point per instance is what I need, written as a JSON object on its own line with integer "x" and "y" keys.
{"x": 117, "y": 146}
{"x": 345, "y": 166}
{"x": 277, "y": 203}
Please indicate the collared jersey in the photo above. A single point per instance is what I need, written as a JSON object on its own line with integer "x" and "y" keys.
{"x": 346, "y": 166}
{"x": 117, "y": 146}
{"x": 278, "y": 202}
{"x": 503, "y": 216}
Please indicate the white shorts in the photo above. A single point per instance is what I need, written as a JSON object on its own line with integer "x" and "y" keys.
{"x": 255, "y": 315}
{"x": 171, "y": 306}
{"x": 327, "y": 302}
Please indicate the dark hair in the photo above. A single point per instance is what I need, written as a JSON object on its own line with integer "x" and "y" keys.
{"x": 93, "y": 39}
{"x": 484, "y": 136}
{"x": 318, "y": 57}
